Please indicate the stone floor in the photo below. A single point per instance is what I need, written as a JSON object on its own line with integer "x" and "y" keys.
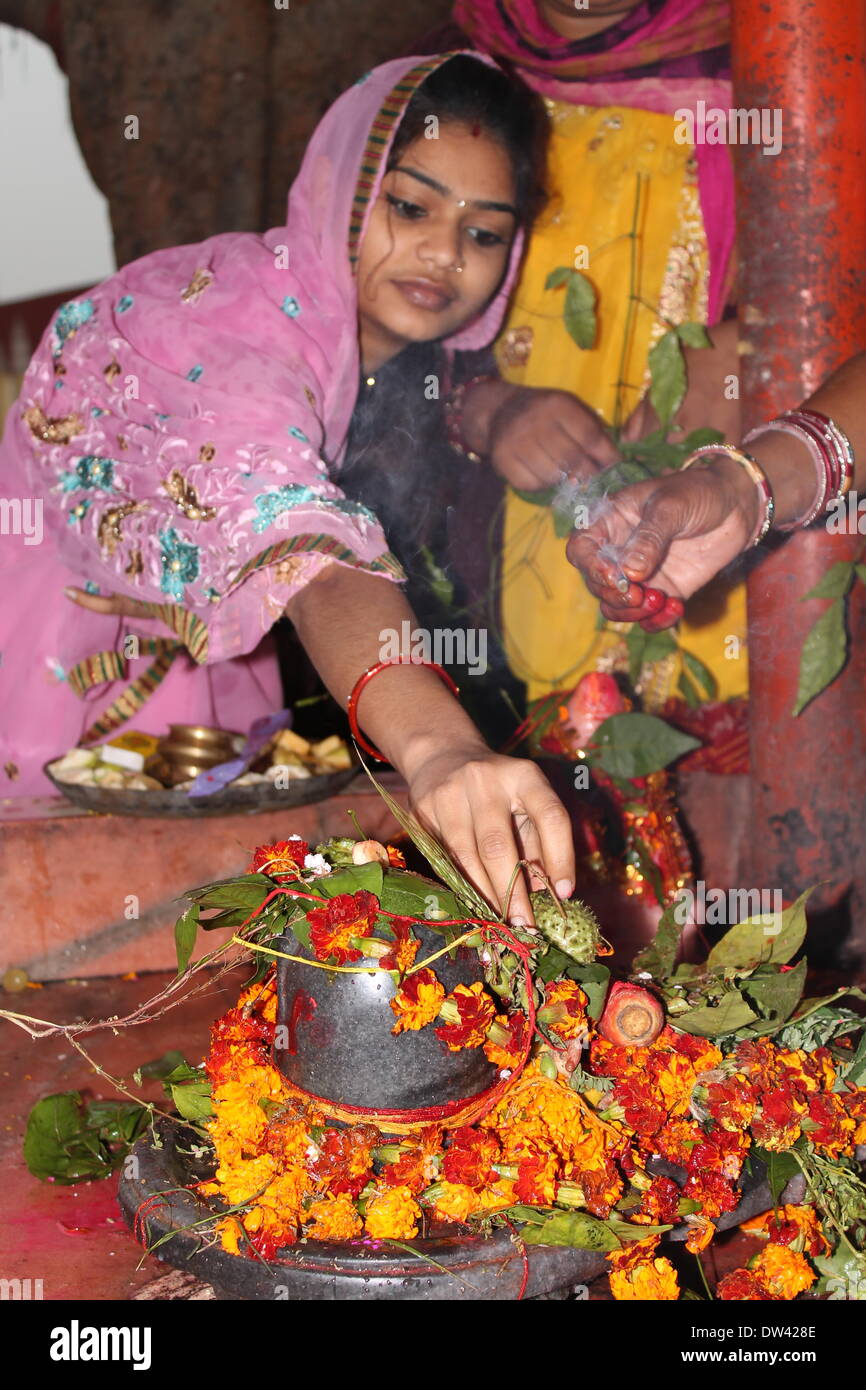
{"x": 73, "y": 1238}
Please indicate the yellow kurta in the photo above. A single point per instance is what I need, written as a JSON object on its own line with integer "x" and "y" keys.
{"x": 597, "y": 155}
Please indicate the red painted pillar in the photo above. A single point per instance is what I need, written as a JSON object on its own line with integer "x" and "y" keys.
{"x": 802, "y": 297}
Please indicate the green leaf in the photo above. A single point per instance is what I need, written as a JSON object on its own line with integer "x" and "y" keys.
{"x": 245, "y": 890}
{"x": 688, "y": 692}
{"x": 696, "y": 439}
{"x": 68, "y": 1142}
{"x": 352, "y": 880}
{"x": 781, "y": 1168}
{"x": 185, "y": 931}
{"x": 574, "y": 1228}
{"x": 787, "y": 942}
{"x": 634, "y": 745}
{"x": 731, "y": 1013}
{"x": 162, "y": 1066}
{"x": 856, "y": 1072}
{"x": 579, "y": 313}
{"x": 558, "y": 277}
{"x": 626, "y": 1230}
{"x": 594, "y": 980}
{"x": 835, "y": 583}
{"x": 635, "y": 642}
{"x": 658, "y": 646}
{"x": 824, "y": 653}
{"x": 861, "y": 573}
{"x": 755, "y": 940}
{"x": 667, "y": 377}
{"x": 776, "y": 995}
{"x": 547, "y": 1067}
{"x": 193, "y": 1101}
{"x": 410, "y": 895}
{"x": 693, "y": 335}
{"x": 657, "y": 959}
{"x": 700, "y": 673}
{"x": 542, "y": 498}
{"x": 180, "y": 1074}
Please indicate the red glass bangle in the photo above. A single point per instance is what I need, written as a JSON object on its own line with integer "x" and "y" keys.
{"x": 363, "y": 681}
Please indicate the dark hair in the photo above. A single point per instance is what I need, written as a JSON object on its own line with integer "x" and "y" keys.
{"x": 467, "y": 91}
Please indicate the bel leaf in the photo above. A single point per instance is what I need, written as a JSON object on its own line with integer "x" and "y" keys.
{"x": 558, "y": 277}
{"x": 634, "y": 745}
{"x": 352, "y": 880}
{"x": 667, "y": 377}
{"x": 700, "y": 673}
{"x": 761, "y": 938}
{"x": 594, "y": 980}
{"x": 574, "y": 1228}
{"x": 694, "y": 335}
{"x": 579, "y": 314}
{"x": 732, "y": 1012}
{"x": 185, "y": 931}
{"x": 824, "y": 653}
{"x": 688, "y": 692}
{"x": 835, "y": 582}
{"x": 781, "y": 1168}
{"x": 658, "y": 958}
{"x": 775, "y": 995}
{"x": 193, "y": 1100}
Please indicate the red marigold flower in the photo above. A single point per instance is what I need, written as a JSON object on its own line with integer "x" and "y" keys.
{"x": 280, "y": 861}
{"x": 601, "y": 1187}
{"x": 403, "y": 952}
{"x": 777, "y": 1125}
{"x": 470, "y": 1156}
{"x": 830, "y": 1127}
{"x": 536, "y": 1180}
{"x": 333, "y": 926}
{"x": 676, "y": 1141}
{"x": 723, "y": 1151}
{"x": 345, "y": 1159}
{"x": 414, "y": 1169}
{"x": 732, "y": 1102}
{"x": 564, "y": 1009}
{"x": 642, "y": 1110}
{"x": 660, "y": 1201}
{"x": 741, "y": 1286}
{"x": 468, "y": 1012}
{"x": 714, "y": 1192}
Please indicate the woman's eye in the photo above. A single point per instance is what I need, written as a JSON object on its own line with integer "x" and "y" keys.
{"x": 403, "y": 207}
{"x": 484, "y": 238}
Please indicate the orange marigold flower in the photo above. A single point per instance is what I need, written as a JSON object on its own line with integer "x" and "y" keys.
{"x": 701, "y": 1232}
{"x": 332, "y": 927}
{"x": 396, "y": 859}
{"x": 392, "y": 1214}
{"x": 700, "y": 1051}
{"x": 405, "y": 948}
{"x": 564, "y": 1009}
{"x": 674, "y": 1077}
{"x": 758, "y": 1060}
{"x": 677, "y": 1139}
{"x": 601, "y": 1186}
{"x": 470, "y": 1156}
{"x": 455, "y": 1202}
{"x": 230, "y": 1232}
{"x": 417, "y": 1001}
{"x": 261, "y": 997}
{"x": 345, "y": 1159}
{"x": 506, "y": 1040}
{"x": 333, "y": 1218}
{"x": 653, "y": 1281}
{"x": 536, "y": 1180}
{"x": 829, "y": 1126}
{"x": 783, "y": 1272}
{"x": 741, "y": 1286}
{"x": 796, "y": 1226}
{"x": 280, "y": 861}
{"x": 468, "y": 1012}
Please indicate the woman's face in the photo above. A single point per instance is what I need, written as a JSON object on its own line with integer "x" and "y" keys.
{"x": 437, "y": 243}
{"x": 573, "y": 21}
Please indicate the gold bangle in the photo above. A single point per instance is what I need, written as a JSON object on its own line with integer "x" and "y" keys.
{"x": 755, "y": 472}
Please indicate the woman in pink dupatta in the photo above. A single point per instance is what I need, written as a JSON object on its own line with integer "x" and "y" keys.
{"x": 179, "y": 433}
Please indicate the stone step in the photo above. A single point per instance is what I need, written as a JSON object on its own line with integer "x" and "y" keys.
{"x": 86, "y": 895}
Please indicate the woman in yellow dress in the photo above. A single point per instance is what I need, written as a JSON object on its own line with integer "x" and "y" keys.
{"x": 645, "y": 214}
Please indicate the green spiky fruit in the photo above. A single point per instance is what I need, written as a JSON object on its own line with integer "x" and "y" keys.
{"x": 571, "y": 927}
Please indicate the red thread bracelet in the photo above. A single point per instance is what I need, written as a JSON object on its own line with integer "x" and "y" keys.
{"x": 362, "y": 681}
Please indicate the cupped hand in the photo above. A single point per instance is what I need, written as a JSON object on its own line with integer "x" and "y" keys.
{"x": 536, "y": 436}
{"x": 674, "y": 532}
{"x": 490, "y": 811}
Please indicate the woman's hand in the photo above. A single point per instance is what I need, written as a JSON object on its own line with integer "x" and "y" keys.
{"x": 117, "y": 604}
{"x": 533, "y": 436}
{"x": 491, "y": 811}
{"x": 675, "y": 532}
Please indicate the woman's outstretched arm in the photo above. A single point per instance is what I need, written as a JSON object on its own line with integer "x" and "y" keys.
{"x": 488, "y": 810}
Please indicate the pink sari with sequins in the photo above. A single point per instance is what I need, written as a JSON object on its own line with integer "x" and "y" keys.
{"x": 177, "y": 435}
